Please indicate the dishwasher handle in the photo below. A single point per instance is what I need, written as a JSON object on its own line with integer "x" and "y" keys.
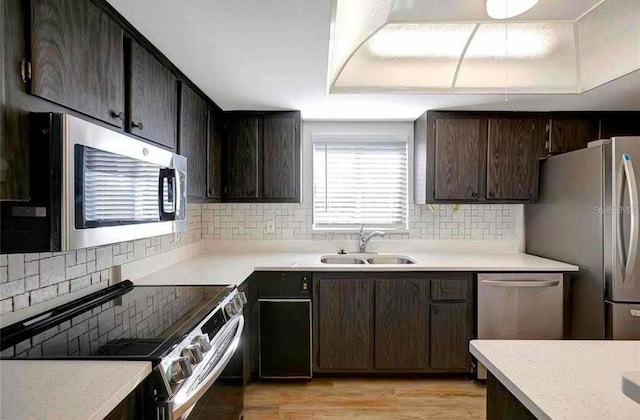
{"x": 520, "y": 283}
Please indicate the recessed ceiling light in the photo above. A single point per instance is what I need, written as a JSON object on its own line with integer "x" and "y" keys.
{"x": 505, "y": 9}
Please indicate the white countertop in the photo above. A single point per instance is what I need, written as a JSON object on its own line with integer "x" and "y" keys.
{"x": 66, "y": 389}
{"x": 564, "y": 379}
{"x": 220, "y": 265}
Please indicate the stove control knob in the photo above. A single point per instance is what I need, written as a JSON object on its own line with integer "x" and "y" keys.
{"x": 231, "y": 309}
{"x": 203, "y": 342}
{"x": 179, "y": 370}
{"x": 243, "y": 298}
{"x": 193, "y": 353}
{"x": 238, "y": 300}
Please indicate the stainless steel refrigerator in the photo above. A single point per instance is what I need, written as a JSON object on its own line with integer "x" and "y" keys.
{"x": 588, "y": 215}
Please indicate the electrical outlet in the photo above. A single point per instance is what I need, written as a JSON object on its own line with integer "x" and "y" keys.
{"x": 271, "y": 227}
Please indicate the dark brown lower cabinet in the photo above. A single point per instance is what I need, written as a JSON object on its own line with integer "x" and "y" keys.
{"x": 393, "y": 322}
{"x": 449, "y": 336}
{"x": 343, "y": 306}
{"x": 401, "y": 319}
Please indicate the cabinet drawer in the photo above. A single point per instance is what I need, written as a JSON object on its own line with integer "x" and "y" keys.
{"x": 281, "y": 285}
{"x": 450, "y": 287}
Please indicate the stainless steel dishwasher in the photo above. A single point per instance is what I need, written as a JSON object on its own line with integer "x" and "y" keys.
{"x": 520, "y": 306}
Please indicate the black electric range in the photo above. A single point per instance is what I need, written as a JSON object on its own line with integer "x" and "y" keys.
{"x": 189, "y": 333}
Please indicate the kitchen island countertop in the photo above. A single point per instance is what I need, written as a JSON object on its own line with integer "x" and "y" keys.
{"x": 564, "y": 379}
{"x": 66, "y": 389}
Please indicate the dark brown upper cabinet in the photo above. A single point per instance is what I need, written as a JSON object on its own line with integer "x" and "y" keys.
{"x": 512, "y": 153}
{"x": 152, "y": 98}
{"x": 193, "y": 141}
{"x": 459, "y": 146}
{"x": 281, "y": 156}
{"x": 570, "y": 133}
{"x": 214, "y": 153}
{"x": 477, "y": 157}
{"x": 619, "y": 124}
{"x": 77, "y": 58}
{"x": 262, "y": 157}
{"x": 241, "y": 157}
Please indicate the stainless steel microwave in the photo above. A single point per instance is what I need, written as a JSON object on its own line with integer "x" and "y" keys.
{"x": 92, "y": 186}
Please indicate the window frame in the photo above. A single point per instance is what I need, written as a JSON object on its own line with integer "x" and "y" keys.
{"x": 361, "y": 138}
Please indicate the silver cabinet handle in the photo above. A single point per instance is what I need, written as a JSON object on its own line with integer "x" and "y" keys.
{"x": 521, "y": 283}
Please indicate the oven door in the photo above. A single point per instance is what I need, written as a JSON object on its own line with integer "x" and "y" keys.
{"x": 217, "y": 393}
{"x": 112, "y": 182}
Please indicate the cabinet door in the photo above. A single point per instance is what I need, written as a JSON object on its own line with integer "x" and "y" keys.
{"x": 215, "y": 136}
{"x": 344, "y": 316}
{"x": 401, "y": 324}
{"x": 241, "y": 181}
{"x": 510, "y": 159}
{"x": 285, "y": 339}
{"x": 567, "y": 134}
{"x": 281, "y": 156}
{"x": 153, "y": 99}
{"x": 77, "y": 58}
{"x": 460, "y": 146}
{"x": 193, "y": 138}
{"x": 449, "y": 337}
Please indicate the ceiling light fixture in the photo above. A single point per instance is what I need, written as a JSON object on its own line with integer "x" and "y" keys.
{"x": 505, "y": 9}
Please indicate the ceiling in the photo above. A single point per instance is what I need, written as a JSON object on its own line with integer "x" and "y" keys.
{"x": 256, "y": 54}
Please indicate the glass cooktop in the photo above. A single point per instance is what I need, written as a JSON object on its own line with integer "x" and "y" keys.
{"x": 123, "y": 321}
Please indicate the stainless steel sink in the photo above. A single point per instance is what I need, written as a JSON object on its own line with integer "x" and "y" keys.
{"x": 366, "y": 259}
{"x": 390, "y": 260}
{"x": 341, "y": 260}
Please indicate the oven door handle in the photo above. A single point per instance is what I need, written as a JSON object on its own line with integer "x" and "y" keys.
{"x": 181, "y": 407}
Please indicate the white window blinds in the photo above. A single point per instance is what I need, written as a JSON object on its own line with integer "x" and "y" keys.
{"x": 360, "y": 180}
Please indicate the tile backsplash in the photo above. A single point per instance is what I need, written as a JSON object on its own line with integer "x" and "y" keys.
{"x": 294, "y": 221}
{"x": 29, "y": 279}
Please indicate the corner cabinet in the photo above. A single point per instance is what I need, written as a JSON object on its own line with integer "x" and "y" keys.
{"x": 77, "y": 58}
{"x": 261, "y": 156}
{"x": 393, "y": 322}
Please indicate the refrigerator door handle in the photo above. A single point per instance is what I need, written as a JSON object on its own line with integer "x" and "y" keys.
{"x": 634, "y": 312}
{"x": 626, "y": 168}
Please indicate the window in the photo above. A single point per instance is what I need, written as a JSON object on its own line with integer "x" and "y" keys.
{"x": 360, "y": 180}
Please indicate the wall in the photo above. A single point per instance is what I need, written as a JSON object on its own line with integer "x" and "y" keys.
{"x": 294, "y": 221}
{"x": 30, "y": 279}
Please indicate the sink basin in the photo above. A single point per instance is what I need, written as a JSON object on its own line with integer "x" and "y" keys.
{"x": 381, "y": 259}
{"x": 365, "y": 259}
{"x": 341, "y": 260}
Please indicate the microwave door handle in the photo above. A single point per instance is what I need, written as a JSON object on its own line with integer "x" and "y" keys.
{"x": 170, "y": 175}
{"x": 626, "y": 168}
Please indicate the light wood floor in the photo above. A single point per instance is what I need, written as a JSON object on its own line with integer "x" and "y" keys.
{"x": 366, "y": 399}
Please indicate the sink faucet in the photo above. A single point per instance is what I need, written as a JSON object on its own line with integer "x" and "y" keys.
{"x": 364, "y": 239}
